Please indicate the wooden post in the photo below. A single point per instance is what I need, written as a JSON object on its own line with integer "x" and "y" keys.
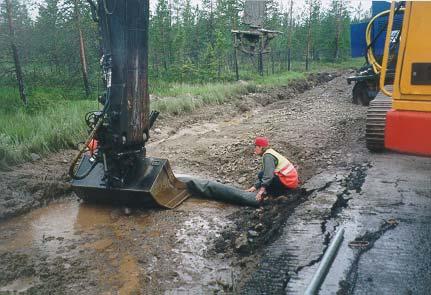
{"x": 260, "y": 59}
{"x": 235, "y": 58}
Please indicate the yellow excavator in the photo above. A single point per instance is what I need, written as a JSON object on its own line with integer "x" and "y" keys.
{"x": 399, "y": 119}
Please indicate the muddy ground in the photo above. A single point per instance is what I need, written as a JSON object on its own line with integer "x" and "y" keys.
{"x": 69, "y": 247}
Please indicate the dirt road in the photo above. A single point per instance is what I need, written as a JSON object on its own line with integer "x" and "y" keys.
{"x": 203, "y": 246}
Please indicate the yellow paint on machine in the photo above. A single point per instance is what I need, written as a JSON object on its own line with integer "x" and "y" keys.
{"x": 411, "y": 105}
{"x": 415, "y": 47}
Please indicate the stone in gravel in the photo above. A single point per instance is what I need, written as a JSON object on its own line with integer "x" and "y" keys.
{"x": 318, "y": 181}
{"x": 253, "y": 233}
{"x": 258, "y": 227}
{"x": 244, "y": 107}
{"x": 241, "y": 180}
{"x": 241, "y": 243}
{"x": 34, "y": 157}
{"x": 157, "y": 131}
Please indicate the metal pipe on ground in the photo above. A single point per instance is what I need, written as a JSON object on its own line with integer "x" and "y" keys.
{"x": 325, "y": 264}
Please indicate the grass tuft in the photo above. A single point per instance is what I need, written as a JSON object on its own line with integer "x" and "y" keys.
{"x": 57, "y": 126}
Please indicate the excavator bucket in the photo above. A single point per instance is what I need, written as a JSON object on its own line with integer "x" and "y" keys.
{"x": 153, "y": 183}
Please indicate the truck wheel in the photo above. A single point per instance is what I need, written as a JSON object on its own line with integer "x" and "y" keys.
{"x": 360, "y": 94}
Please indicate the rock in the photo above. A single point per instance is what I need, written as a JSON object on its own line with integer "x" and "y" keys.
{"x": 258, "y": 227}
{"x": 127, "y": 211}
{"x": 157, "y": 131}
{"x": 282, "y": 199}
{"x": 34, "y": 157}
{"x": 241, "y": 180}
{"x": 244, "y": 107}
{"x": 241, "y": 243}
{"x": 253, "y": 233}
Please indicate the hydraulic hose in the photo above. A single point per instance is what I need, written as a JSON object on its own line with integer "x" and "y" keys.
{"x": 386, "y": 52}
{"x": 370, "y": 54}
{"x": 72, "y": 172}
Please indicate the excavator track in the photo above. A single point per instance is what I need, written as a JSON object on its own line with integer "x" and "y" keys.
{"x": 376, "y": 122}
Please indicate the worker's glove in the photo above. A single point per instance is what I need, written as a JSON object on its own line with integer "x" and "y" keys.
{"x": 260, "y": 194}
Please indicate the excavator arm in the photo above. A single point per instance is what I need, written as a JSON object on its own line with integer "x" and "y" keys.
{"x": 119, "y": 170}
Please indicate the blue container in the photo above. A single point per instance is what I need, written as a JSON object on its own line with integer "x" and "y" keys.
{"x": 357, "y": 31}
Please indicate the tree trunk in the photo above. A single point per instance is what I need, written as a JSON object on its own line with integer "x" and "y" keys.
{"x": 289, "y": 50}
{"x": 307, "y": 54}
{"x": 82, "y": 50}
{"x": 18, "y": 70}
{"x": 337, "y": 30}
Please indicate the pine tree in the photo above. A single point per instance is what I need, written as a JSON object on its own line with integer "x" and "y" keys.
{"x": 16, "y": 57}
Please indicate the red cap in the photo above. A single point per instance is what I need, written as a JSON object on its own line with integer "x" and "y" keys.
{"x": 261, "y": 141}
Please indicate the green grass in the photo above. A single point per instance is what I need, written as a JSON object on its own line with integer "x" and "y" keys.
{"x": 279, "y": 80}
{"x": 181, "y": 98}
{"x": 40, "y": 129}
{"x": 54, "y": 118}
{"x": 352, "y": 63}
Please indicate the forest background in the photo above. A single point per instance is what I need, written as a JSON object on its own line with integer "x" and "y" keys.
{"x": 50, "y": 72}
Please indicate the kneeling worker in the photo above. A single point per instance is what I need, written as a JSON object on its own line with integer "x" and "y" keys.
{"x": 278, "y": 173}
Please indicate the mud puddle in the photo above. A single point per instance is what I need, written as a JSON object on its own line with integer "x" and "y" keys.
{"x": 112, "y": 252}
{"x": 47, "y": 229}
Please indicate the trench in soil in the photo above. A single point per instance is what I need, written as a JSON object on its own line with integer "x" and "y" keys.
{"x": 72, "y": 247}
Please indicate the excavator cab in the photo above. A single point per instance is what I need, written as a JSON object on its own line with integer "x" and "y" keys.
{"x": 118, "y": 170}
{"x": 399, "y": 119}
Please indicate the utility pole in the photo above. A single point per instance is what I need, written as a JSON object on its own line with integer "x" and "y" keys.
{"x": 18, "y": 70}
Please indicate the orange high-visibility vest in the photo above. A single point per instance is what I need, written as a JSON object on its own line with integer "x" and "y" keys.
{"x": 284, "y": 170}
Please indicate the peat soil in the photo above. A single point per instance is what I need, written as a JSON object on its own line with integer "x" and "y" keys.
{"x": 53, "y": 243}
